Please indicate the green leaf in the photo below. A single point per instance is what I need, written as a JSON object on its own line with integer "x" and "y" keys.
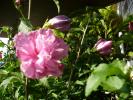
{"x": 92, "y": 84}
{"x": 102, "y": 68}
{"x": 58, "y": 33}
{"x": 75, "y": 29}
{"x": 57, "y": 5}
{"x": 100, "y": 74}
{"x": 127, "y": 38}
{"x": 44, "y": 82}
{"x": 54, "y": 95}
{"x": 124, "y": 96}
{"x": 113, "y": 83}
{"x": 18, "y": 76}
{"x": 79, "y": 82}
{"x": 25, "y": 26}
{"x": 6, "y": 29}
{"x": 96, "y": 78}
{"x": 3, "y": 73}
{"x": 31, "y": 97}
{"x": 21, "y": 98}
{"x": 6, "y": 82}
{"x": 117, "y": 68}
{"x": 17, "y": 92}
{"x": 2, "y": 44}
{"x": 130, "y": 54}
{"x": 104, "y": 24}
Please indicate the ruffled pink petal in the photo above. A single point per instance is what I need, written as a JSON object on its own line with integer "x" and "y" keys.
{"x": 59, "y": 49}
{"x": 32, "y": 70}
{"x": 25, "y": 46}
{"x": 52, "y": 44}
{"x": 55, "y": 68}
{"x": 44, "y": 39}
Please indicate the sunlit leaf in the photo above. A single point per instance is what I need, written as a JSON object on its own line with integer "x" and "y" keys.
{"x": 44, "y": 82}
{"x": 130, "y": 54}
{"x": 17, "y": 92}
{"x": 101, "y": 73}
{"x": 5, "y": 29}
{"x": 79, "y": 82}
{"x": 25, "y": 26}
{"x": 21, "y": 98}
{"x": 1, "y": 44}
{"x": 58, "y": 33}
{"x": 55, "y": 95}
{"x": 92, "y": 83}
{"x": 6, "y": 82}
{"x": 117, "y": 68}
{"x": 113, "y": 83}
{"x": 3, "y": 72}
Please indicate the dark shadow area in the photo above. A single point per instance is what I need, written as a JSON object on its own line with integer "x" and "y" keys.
{"x": 42, "y": 9}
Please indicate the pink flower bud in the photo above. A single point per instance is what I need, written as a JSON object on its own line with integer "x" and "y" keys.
{"x": 103, "y": 47}
{"x": 18, "y": 2}
{"x": 130, "y": 26}
{"x": 60, "y": 22}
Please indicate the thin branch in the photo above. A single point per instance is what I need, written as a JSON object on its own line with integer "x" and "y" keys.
{"x": 26, "y": 79}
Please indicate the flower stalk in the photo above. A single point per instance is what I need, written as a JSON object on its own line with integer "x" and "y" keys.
{"x": 26, "y": 79}
{"x": 29, "y": 9}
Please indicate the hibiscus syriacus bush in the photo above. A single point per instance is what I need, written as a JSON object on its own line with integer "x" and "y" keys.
{"x": 40, "y": 53}
{"x": 77, "y": 56}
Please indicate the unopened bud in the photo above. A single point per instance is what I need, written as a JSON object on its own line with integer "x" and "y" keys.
{"x": 130, "y": 26}
{"x": 60, "y": 22}
{"x": 103, "y": 47}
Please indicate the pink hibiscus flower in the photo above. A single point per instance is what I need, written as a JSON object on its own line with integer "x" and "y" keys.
{"x": 40, "y": 53}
